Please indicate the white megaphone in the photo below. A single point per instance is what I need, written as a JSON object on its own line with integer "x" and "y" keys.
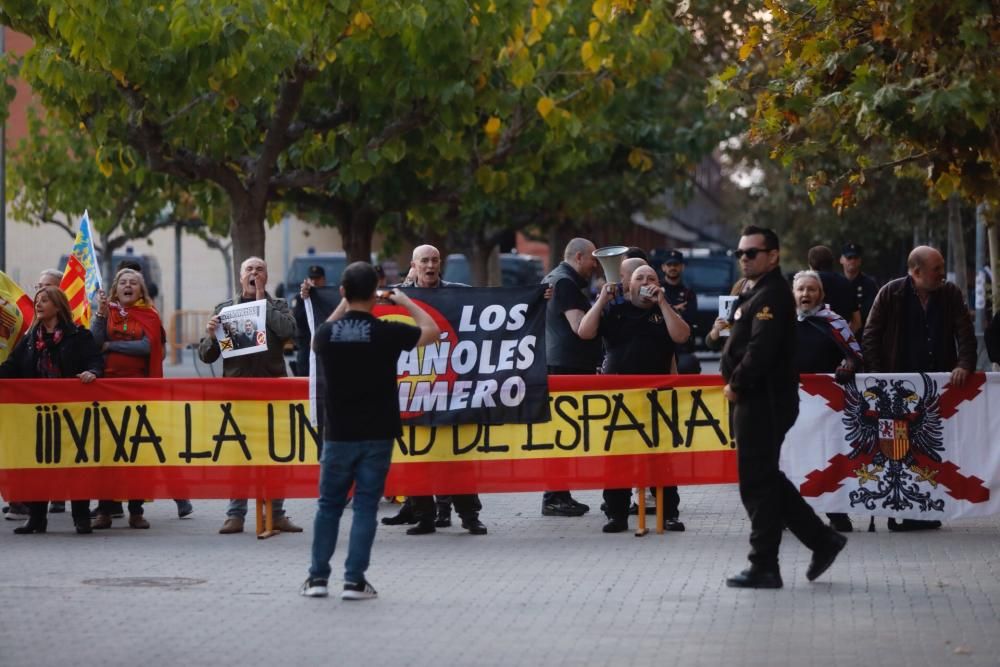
{"x": 611, "y": 258}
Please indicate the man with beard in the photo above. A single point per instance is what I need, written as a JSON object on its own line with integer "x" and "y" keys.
{"x": 639, "y": 337}
{"x": 279, "y": 327}
{"x": 763, "y": 386}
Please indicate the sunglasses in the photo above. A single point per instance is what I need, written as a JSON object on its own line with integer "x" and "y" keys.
{"x": 750, "y": 253}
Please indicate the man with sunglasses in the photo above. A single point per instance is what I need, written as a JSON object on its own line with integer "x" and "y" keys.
{"x": 763, "y": 386}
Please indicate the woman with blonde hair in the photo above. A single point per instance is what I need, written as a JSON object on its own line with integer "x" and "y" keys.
{"x": 129, "y": 331}
{"x": 54, "y": 347}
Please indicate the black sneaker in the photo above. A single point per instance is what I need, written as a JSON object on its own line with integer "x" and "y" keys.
{"x": 362, "y": 591}
{"x": 583, "y": 508}
{"x": 560, "y": 507}
{"x": 314, "y": 588}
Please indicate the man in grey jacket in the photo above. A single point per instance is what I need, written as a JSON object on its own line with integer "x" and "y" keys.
{"x": 280, "y": 327}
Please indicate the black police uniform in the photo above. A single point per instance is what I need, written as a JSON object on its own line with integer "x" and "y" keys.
{"x": 757, "y": 364}
{"x": 864, "y": 288}
{"x": 687, "y": 363}
{"x": 636, "y": 342}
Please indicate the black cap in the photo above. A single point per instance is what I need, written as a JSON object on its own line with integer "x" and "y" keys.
{"x": 673, "y": 257}
{"x": 316, "y": 271}
{"x": 851, "y": 250}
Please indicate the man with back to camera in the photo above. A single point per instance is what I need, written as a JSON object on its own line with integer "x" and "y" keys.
{"x": 639, "y": 337}
{"x": 279, "y": 326}
{"x": 427, "y": 513}
{"x": 566, "y": 353}
{"x": 920, "y": 324}
{"x": 763, "y": 386}
{"x": 359, "y": 355}
{"x": 864, "y": 286}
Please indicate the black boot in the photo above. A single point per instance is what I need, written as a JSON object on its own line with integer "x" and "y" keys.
{"x": 32, "y": 525}
{"x": 422, "y": 528}
{"x": 754, "y": 577}
{"x": 443, "y": 519}
{"x": 405, "y": 516}
{"x": 473, "y": 525}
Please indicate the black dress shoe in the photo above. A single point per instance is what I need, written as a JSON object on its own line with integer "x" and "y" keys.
{"x": 673, "y": 526}
{"x": 906, "y": 525}
{"x": 473, "y": 525}
{"x": 823, "y": 558}
{"x": 752, "y": 578}
{"x": 83, "y": 527}
{"x": 443, "y": 520}
{"x": 32, "y": 526}
{"x": 422, "y": 528}
{"x": 560, "y": 507}
{"x": 615, "y": 525}
{"x": 404, "y": 516}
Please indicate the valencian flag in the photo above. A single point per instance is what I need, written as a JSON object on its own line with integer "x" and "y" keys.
{"x": 74, "y": 285}
{"x": 16, "y": 313}
{"x": 86, "y": 259}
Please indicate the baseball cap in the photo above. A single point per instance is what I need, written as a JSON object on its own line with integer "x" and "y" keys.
{"x": 851, "y": 250}
{"x": 316, "y": 271}
{"x": 673, "y": 257}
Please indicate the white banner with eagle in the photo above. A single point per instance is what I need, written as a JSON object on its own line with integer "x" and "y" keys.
{"x": 906, "y": 445}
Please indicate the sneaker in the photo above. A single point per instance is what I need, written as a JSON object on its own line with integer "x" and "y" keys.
{"x": 362, "y": 591}
{"x": 16, "y": 512}
{"x": 560, "y": 507}
{"x": 314, "y": 588}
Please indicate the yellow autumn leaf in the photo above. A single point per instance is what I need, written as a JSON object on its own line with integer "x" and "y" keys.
{"x": 106, "y": 169}
{"x": 331, "y": 57}
{"x": 590, "y": 59}
{"x": 492, "y": 127}
{"x": 533, "y": 37}
{"x": 474, "y": 20}
{"x": 492, "y": 9}
{"x": 540, "y": 18}
{"x": 545, "y": 106}
{"x": 602, "y": 10}
{"x": 646, "y": 25}
{"x": 594, "y": 29}
{"x": 119, "y": 76}
{"x": 640, "y": 159}
{"x": 362, "y": 21}
{"x": 751, "y": 42}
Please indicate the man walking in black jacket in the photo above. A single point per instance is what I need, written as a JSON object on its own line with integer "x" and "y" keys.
{"x": 763, "y": 386}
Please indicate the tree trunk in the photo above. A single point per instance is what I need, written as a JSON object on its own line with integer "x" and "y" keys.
{"x": 479, "y": 260}
{"x": 356, "y": 233}
{"x": 247, "y": 231}
{"x": 956, "y": 244}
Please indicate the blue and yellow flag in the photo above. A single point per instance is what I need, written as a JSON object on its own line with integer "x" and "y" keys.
{"x": 83, "y": 250}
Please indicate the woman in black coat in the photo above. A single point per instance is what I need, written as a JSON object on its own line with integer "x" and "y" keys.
{"x": 54, "y": 347}
{"x": 823, "y": 344}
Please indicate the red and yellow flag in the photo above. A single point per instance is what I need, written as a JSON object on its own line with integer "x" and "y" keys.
{"x": 16, "y": 313}
{"x": 74, "y": 284}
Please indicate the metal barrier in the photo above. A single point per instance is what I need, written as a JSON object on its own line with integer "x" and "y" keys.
{"x": 186, "y": 329}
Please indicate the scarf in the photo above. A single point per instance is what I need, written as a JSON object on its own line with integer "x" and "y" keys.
{"x": 836, "y": 326}
{"x": 47, "y": 352}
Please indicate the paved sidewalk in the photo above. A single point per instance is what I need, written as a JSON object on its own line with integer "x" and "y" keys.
{"x": 535, "y": 591}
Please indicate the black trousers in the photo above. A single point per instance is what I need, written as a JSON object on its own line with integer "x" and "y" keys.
{"x": 79, "y": 508}
{"x": 107, "y": 506}
{"x": 771, "y": 501}
{"x": 618, "y": 502}
{"x": 467, "y": 506}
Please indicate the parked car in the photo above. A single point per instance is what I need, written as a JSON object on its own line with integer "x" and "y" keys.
{"x": 515, "y": 269}
{"x": 710, "y": 275}
{"x": 333, "y": 264}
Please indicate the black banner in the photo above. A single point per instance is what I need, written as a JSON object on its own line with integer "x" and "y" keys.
{"x": 489, "y": 365}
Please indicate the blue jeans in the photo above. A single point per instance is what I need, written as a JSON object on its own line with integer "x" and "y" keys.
{"x": 238, "y": 508}
{"x": 364, "y": 463}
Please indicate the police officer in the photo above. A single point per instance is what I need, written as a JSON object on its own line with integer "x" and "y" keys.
{"x": 683, "y": 299}
{"x": 639, "y": 338}
{"x": 863, "y": 285}
{"x": 763, "y": 386}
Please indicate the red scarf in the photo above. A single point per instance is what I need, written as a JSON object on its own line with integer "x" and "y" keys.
{"x": 131, "y": 324}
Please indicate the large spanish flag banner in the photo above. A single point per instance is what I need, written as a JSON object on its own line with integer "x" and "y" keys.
{"x": 223, "y": 438}
{"x": 904, "y": 445}
{"x": 17, "y": 310}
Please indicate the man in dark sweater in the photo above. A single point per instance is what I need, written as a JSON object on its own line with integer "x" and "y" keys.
{"x": 359, "y": 354}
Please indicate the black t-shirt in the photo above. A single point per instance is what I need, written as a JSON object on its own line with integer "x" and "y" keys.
{"x": 840, "y": 295}
{"x": 636, "y": 341}
{"x": 359, "y": 354}
{"x": 562, "y": 346}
